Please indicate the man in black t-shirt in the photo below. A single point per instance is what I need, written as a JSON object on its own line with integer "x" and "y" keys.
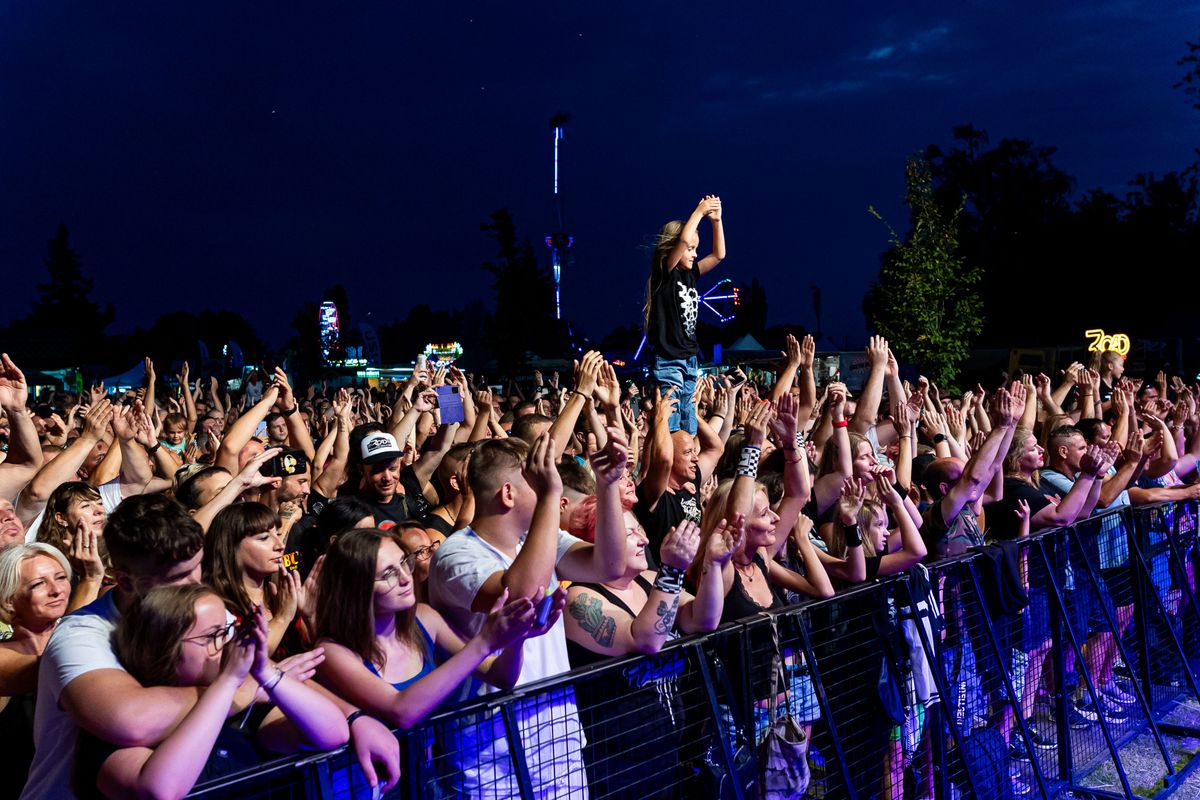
{"x": 678, "y": 464}
{"x": 392, "y": 489}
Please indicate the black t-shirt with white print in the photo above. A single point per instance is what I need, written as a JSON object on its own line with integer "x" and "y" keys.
{"x": 672, "y": 509}
{"x": 674, "y": 309}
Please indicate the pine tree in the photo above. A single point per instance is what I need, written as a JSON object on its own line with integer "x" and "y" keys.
{"x": 65, "y": 300}
{"x": 926, "y": 300}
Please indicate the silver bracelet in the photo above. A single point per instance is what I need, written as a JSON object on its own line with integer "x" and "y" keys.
{"x": 273, "y": 682}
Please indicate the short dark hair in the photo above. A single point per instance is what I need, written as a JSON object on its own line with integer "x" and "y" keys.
{"x": 1090, "y": 428}
{"x": 576, "y": 477}
{"x": 523, "y": 427}
{"x": 188, "y": 492}
{"x": 151, "y": 527}
{"x": 492, "y": 457}
{"x": 274, "y": 415}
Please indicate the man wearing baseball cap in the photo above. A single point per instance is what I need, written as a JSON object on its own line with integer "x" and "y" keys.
{"x": 393, "y": 489}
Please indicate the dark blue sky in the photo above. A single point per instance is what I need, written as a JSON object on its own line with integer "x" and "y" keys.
{"x": 246, "y": 155}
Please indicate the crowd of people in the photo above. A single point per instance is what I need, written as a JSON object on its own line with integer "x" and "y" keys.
{"x": 193, "y": 579}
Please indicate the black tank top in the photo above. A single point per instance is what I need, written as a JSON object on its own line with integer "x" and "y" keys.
{"x": 579, "y": 655}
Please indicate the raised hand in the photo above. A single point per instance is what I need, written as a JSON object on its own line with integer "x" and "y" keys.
{"x": 854, "y": 492}
{"x": 664, "y": 405}
{"x": 287, "y": 398}
{"x": 933, "y": 423}
{"x": 289, "y": 590}
{"x": 885, "y": 485}
{"x": 426, "y": 400}
{"x": 508, "y": 622}
{"x": 541, "y": 472}
{"x": 956, "y": 423}
{"x": 783, "y": 423}
{"x": 727, "y": 538}
{"x": 837, "y": 401}
{"x": 608, "y": 463}
{"x": 877, "y": 351}
{"x": 587, "y": 373}
{"x": 680, "y": 544}
{"x": 14, "y": 391}
{"x": 1093, "y": 461}
{"x": 759, "y": 420}
{"x": 85, "y": 551}
{"x": 608, "y": 388}
{"x": 240, "y": 654}
{"x": 792, "y": 353}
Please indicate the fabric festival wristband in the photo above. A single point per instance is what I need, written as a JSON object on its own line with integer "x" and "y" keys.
{"x": 669, "y": 579}
{"x": 841, "y": 423}
{"x": 853, "y": 536}
{"x": 799, "y": 438}
{"x": 748, "y": 463}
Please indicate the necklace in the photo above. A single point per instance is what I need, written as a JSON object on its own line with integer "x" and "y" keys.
{"x": 746, "y": 571}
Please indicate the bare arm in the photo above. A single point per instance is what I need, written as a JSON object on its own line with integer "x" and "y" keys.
{"x": 529, "y": 575}
{"x": 604, "y": 560}
{"x": 867, "y": 410}
{"x": 709, "y": 262}
{"x": 787, "y": 375}
{"x": 242, "y": 430}
{"x": 660, "y": 450}
{"x": 24, "y": 450}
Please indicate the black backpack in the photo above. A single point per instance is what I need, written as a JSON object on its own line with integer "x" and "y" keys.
{"x": 985, "y": 756}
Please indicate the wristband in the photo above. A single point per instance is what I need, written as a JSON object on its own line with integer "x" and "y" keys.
{"x": 939, "y": 438}
{"x": 353, "y": 716}
{"x": 841, "y": 423}
{"x": 669, "y": 579}
{"x": 853, "y": 536}
{"x": 900, "y": 490}
{"x": 748, "y": 463}
{"x": 290, "y": 411}
{"x": 154, "y": 448}
{"x": 799, "y": 438}
{"x": 271, "y": 684}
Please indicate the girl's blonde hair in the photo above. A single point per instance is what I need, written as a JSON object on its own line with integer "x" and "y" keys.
{"x": 664, "y": 243}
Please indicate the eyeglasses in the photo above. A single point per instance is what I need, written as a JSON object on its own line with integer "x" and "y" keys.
{"x": 216, "y": 640}
{"x": 391, "y": 575}
{"x": 426, "y": 553}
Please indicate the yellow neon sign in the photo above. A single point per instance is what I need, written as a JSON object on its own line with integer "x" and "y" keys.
{"x": 1117, "y": 342}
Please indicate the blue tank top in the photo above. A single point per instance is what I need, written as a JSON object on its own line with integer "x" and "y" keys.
{"x": 427, "y": 662}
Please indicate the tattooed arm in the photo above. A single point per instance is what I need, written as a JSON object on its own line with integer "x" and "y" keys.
{"x": 605, "y": 628}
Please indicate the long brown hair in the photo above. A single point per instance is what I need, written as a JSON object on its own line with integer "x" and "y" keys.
{"x": 346, "y": 591}
{"x": 56, "y": 533}
{"x": 664, "y": 243}
{"x": 222, "y": 564}
{"x": 149, "y": 636}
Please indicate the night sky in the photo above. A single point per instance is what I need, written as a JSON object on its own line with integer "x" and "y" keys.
{"x": 247, "y": 155}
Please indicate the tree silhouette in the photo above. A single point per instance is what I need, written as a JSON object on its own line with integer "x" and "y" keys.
{"x": 524, "y": 317}
{"x": 926, "y": 301}
{"x": 65, "y": 326}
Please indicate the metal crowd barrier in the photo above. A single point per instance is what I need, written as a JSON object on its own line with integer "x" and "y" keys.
{"x": 1061, "y": 665}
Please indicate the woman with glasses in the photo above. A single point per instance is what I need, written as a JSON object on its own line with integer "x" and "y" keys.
{"x": 392, "y": 656}
{"x": 181, "y": 636}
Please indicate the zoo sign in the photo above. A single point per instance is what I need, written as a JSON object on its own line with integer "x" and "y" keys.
{"x": 1101, "y": 342}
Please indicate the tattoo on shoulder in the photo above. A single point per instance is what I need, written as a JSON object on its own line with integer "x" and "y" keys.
{"x": 588, "y": 611}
